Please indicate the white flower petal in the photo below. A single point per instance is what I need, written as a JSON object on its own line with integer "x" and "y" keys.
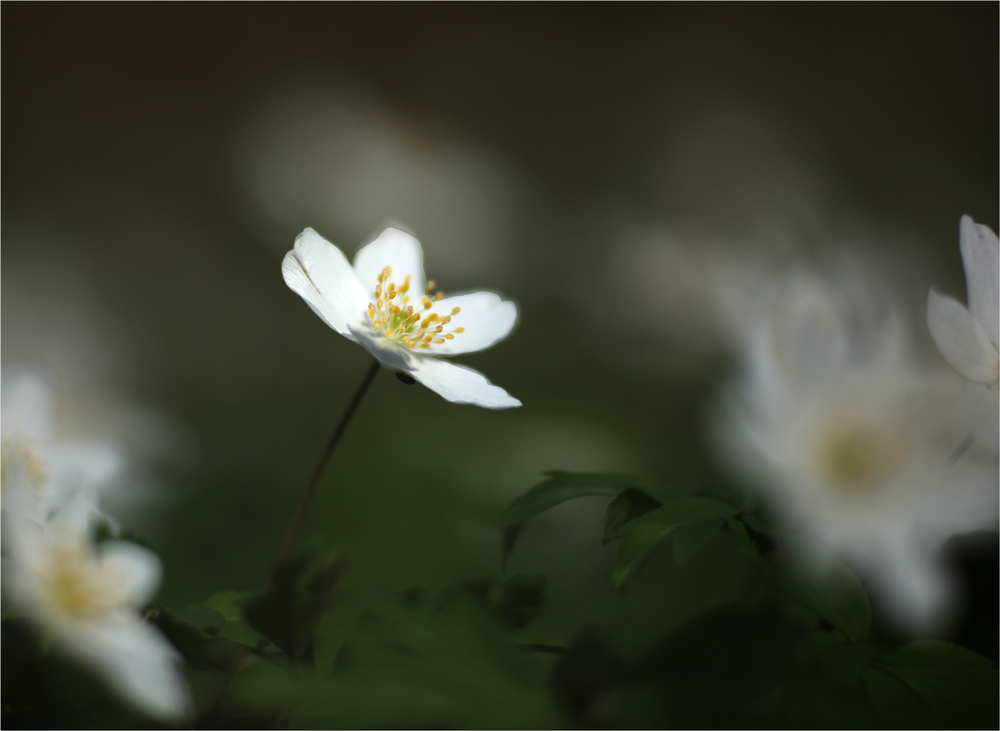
{"x": 78, "y": 471}
{"x": 803, "y": 337}
{"x": 487, "y": 319}
{"x": 138, "y": 663}
{"x": 387, "y": 353}
{"x": 320, "y": 274}
{"x": 961, "y": 340}
{"x": 981, "y": 258}
{"x": 396, "y": 249}
{"x": 65, "y": 507}
{"x": 28, "y": 406}
{"x": 135, "y": 570}
{"x": 461, "y": 385}
{"x": 918, "y": 591}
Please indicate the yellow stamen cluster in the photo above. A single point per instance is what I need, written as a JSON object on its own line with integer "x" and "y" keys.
{"x": 413, "y": 326}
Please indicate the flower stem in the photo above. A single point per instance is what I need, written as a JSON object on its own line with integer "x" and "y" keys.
{"x": 313, "y": 482}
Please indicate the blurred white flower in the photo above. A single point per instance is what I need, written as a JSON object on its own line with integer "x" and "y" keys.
{"x": 969, "y": 337}
{"x": 87, "y": 599}
{"x": 53, "y": 469}
{"x": 856, "y": 448}
{"x": 383, "y": 304}
{"x": 334, "y": 153}
{"x": 56, "y": 332}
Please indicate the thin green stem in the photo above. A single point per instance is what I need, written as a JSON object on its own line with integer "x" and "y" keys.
{"x": 313, "y": 482}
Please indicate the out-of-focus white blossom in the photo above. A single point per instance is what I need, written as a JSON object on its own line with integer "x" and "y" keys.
{"x": 385, "y": 304}
{"x": 969, "y": 337}
{"x": 855, "y": 448}
{"x": 336, "y": 154}
{"x": 87, "y": 598}
{"x": 56, "y": 333}
{"x": 54, "y": 469}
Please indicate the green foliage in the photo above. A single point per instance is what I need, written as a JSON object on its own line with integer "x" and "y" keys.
{"x": 793, "y": 649}
{"x": 643, "y": 535}
{"x": 409, "y": 660}
{"x": 644, "y": 515}
{"x": 563, "y": 486}
{"x": 688, "y": 538}
{"x": 835, "y": 594}
{"x": 626, "y": 507}
{"x": 207, "y": 638}
{"x": 289, "y": 610}
{"x": 934, "y": 684}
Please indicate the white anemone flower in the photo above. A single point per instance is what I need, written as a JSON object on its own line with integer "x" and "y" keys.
{"x": 856, "y": 450}
{"x": 384, "y": 304}
{"x": 969, "y": 337}
{"x": 56, "y": 469}
{"x": 86, "y": 598}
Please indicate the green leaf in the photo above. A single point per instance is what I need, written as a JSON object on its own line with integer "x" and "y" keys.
{"x": 563, "y": 486}
{"x": 934, "y": 684}
{"x": 829, "y": 589}
{"x": 641, "y": 539}
{"x": 229, "y": 603}
{"x": 643, "y": 535}
{"x": 626, "y": 507}
{"x": 687, "y": 539}
{"x": 201, "y": 617}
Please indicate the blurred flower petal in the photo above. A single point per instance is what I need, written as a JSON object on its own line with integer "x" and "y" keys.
{"x": 981, "y": 258}
{"x": 961, "y": 340}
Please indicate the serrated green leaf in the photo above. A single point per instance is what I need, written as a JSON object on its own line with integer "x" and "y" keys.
{"x": 643, "y": 535}
{"x": 563, "y": 486}
{"x": 687, "y": 539}
{"x": 686, "y": 510}
{"x": 639, "y": 542}
{"x": 627, "y": 506}
{"x": 934, "y": 684}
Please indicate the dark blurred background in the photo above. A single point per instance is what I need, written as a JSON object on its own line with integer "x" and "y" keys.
{"x": 611, "y": 168}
